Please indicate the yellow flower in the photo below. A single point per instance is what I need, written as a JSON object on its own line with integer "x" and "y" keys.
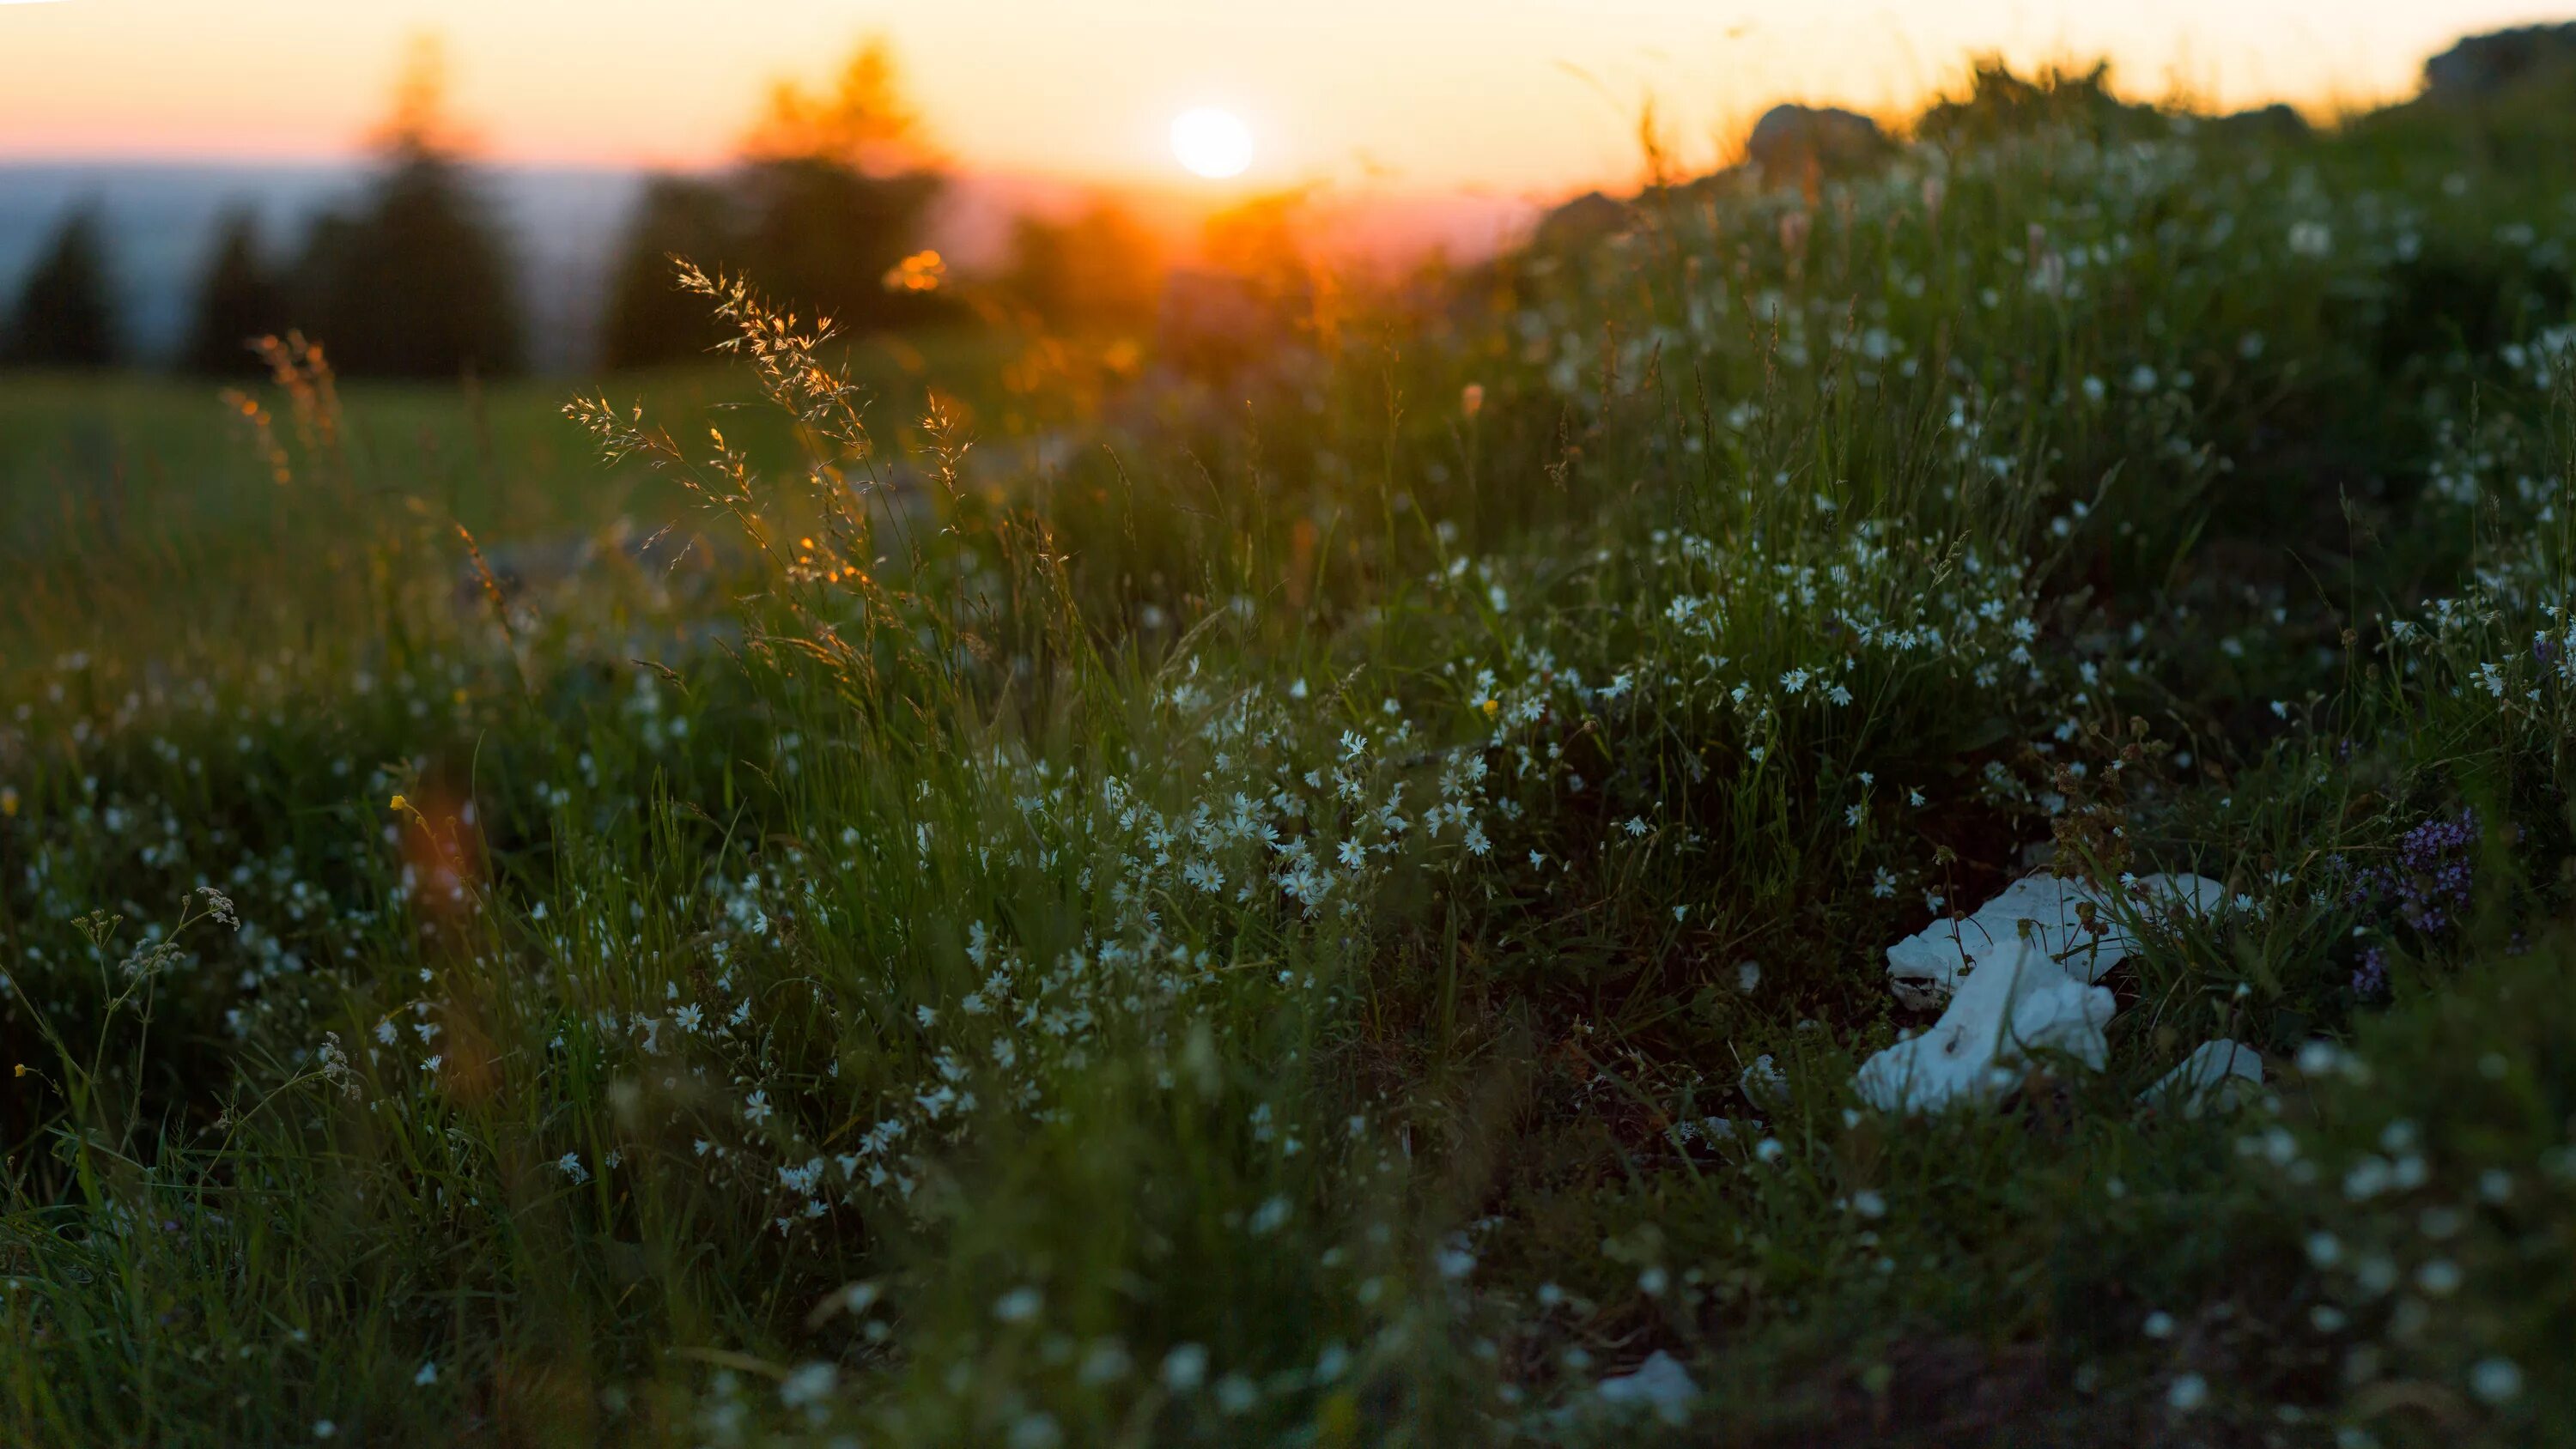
{"x": 21, "y": 1071}
{"x": 399, "y": 803}
{"x": 1492, "y": 707}
{"x": 8, "y": 800}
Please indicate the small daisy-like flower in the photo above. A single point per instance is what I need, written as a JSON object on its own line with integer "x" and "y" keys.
{"x": 1185, "y": 1368}
{"x": 2495, "y": 1380}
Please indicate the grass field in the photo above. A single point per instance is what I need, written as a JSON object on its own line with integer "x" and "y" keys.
{"x": 1342, "y": 905}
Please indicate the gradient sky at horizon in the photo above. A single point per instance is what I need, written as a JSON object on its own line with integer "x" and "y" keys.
{"x": 1521, "y": 97}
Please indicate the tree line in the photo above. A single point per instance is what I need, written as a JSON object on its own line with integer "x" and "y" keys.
{"x": 825, "y": 205}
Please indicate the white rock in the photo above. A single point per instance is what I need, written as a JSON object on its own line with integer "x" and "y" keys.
{"x": 1764, "y": 1084}
{"x": 2213, "y": 1078}
{"x": 1925, "y": 967}
{"x": 2016, "y": 1003}
{"x": 1660, "y": 1384}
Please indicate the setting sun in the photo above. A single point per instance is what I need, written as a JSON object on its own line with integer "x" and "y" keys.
{"x": 1211, "y": 143}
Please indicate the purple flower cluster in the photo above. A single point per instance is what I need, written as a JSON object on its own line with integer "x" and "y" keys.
{"x": 2370, "y": 978}
{"x": 2431, "y": 880}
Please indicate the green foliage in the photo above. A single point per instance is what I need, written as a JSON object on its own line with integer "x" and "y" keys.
{"x": 2428, "y": 1175}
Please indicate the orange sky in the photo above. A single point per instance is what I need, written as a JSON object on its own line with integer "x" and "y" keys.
{"x": 1525, "y": 97}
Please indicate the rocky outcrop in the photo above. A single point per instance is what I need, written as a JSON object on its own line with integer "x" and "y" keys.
{"x": 1794, "y": 143}
{"x": 2481, "y": 66}
{"x": 1579, "y": 223}
{"x": 2264, "y": 125}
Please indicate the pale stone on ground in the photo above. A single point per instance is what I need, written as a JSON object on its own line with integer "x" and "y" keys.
{"x": 2016, "y": 1003}
{"x": 1659, "y": 1384}
{"x": 1925, "y": 967}
{"x": 2213, "y": 1078}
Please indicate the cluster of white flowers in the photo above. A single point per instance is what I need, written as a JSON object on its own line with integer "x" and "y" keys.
{"x": 1834, "y": 626}
{"x": 2398, "y": 1240}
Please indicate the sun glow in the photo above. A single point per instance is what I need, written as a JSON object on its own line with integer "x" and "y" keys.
{"x": 1211, "y": 143}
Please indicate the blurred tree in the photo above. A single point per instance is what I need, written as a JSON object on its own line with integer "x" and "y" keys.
{"x": 416, "y": 281}
{"x": 836, "y": 185}
{"x": 649, "y": 320}
{"x": 1253, "y": 291}
{"x": 824, "y": 237}
{"x": 828, "y": 198}
{"x": 64, "y": 316}
{"x": 239, "y": 297}
{"x": 1260, "y": 239}
{"x": 863, "y": 122}
{"x": 1099, "y": 271}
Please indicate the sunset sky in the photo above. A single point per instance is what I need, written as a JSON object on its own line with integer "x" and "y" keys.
{"x": 1523, "y": 97}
